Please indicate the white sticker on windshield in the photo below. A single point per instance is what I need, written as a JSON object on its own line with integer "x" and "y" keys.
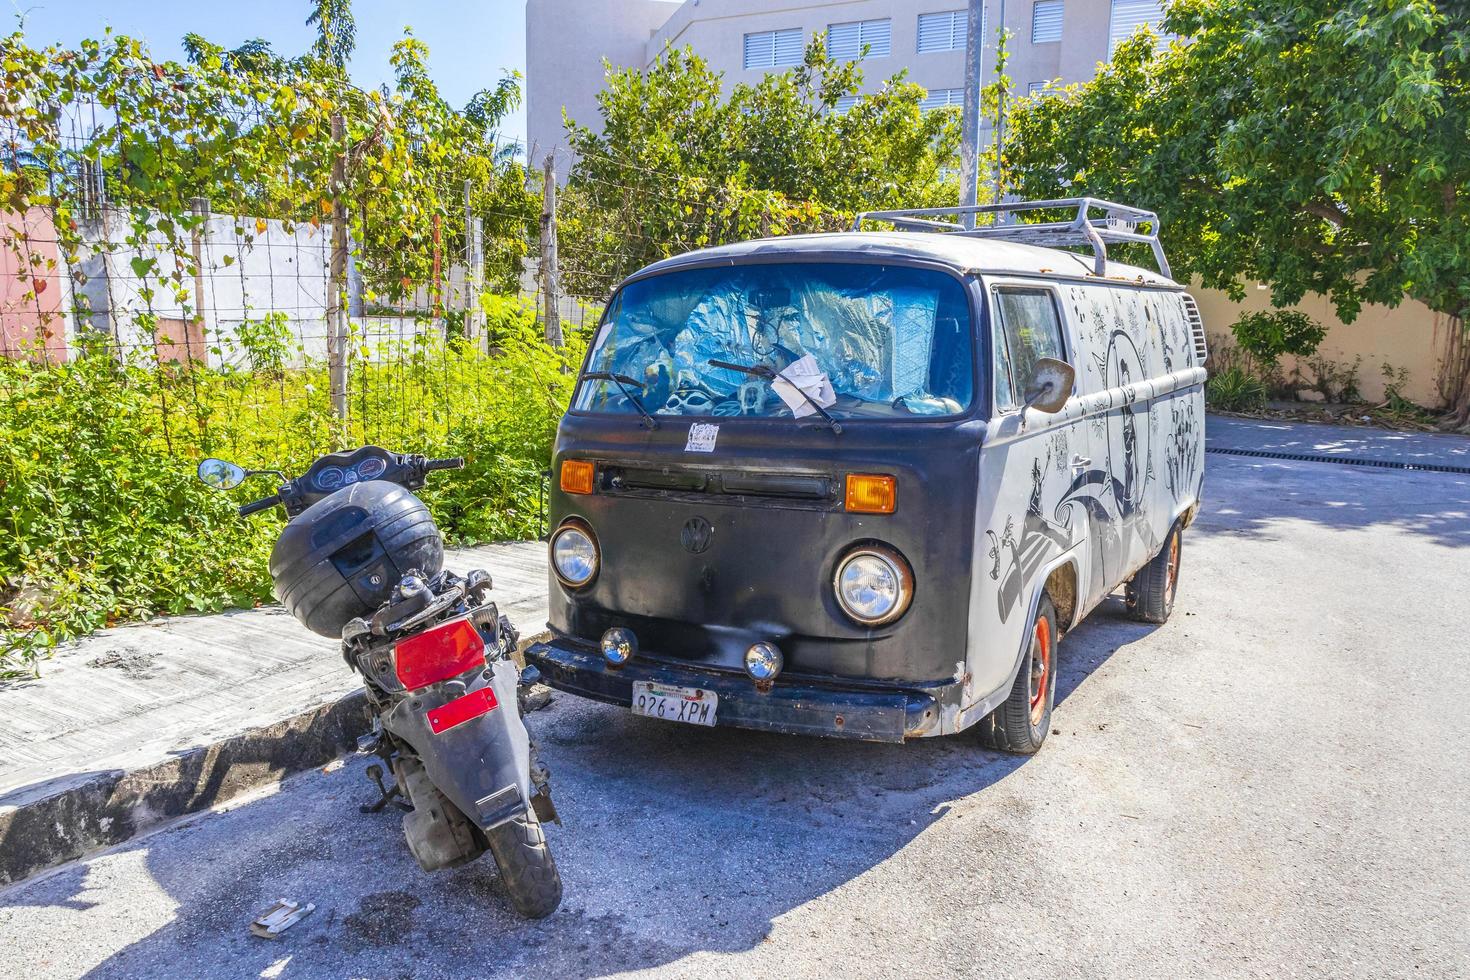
{"x": 702, "y": 437}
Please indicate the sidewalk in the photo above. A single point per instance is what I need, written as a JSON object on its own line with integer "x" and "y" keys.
{"x": 140, "y": 724}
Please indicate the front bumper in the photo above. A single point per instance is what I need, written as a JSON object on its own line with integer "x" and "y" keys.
{"x": 793, "y": 706}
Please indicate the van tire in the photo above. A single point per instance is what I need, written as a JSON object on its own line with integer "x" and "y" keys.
{"x": 1150, "y": 592}
{"x": 1021, "y": 722}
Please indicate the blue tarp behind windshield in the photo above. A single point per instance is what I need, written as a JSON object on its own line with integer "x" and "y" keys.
{"x": 894, "y": 341}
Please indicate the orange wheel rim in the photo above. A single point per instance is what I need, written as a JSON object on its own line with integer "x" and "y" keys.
{"x": 1171, "y": 582}
{"x": 1040, "y": 669}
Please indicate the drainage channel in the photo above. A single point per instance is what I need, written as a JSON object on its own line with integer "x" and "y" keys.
{"x": 1386, "y": 464}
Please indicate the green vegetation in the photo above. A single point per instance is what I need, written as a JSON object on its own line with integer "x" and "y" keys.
{"x": 1315, "y": 145}
{"x": 680, "y": 164}
{"x": 1270, "y": 334}
{"x": 1235, "y": 389}
{"x": 105, "y": 521}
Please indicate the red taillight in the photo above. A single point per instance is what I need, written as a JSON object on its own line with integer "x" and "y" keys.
{"x": 438, "y": 654}
{"x": 461, "y": 710}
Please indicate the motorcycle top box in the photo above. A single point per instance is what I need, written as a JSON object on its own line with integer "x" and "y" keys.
{"x": 343, "y": 555}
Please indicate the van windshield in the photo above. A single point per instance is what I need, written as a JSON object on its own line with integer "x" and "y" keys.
{"x": 888, "y": 341}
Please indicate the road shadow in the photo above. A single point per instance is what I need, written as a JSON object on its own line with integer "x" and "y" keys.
{"x": 1327, "y": 439}
{"x": 677, "y": 839}
{"x": 1249, "y": 496}
{"x": 1244, "y": 496}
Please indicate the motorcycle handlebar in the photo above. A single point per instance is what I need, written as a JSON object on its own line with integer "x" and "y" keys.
{"x": 256, "y": 506}
{"x": 443, "y": 464}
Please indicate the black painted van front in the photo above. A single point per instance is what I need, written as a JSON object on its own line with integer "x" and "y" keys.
{"x": 703, "y": 554}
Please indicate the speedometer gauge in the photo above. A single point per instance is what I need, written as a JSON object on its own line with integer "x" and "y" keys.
{"x": 330, "y": 478}
{"x": 371, "y": 468}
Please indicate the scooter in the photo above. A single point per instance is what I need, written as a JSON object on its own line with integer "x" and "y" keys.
{"x": 360, "y": 559}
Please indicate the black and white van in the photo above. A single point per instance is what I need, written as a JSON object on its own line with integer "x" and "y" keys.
{"x": 860, "y": 484}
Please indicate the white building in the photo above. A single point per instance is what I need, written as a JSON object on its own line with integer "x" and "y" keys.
{"x": 566, "y": 41}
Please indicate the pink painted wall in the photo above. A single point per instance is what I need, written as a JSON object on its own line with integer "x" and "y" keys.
{"x": 31, "y": 287}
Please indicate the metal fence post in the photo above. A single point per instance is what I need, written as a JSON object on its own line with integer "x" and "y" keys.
{"x": 337, "y": 291}
{"x": 201, "y": 210}
{"x": 550, "y": 279}
{"x": 474, "y": 248}
{"x": 970, "y": 121}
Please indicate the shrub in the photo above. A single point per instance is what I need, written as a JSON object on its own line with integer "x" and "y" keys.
{"x": 1269, "y": 334}
{"x": 1234, "y": 389}
{"x": 107, "y": 523}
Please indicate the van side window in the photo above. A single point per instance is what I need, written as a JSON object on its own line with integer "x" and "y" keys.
{"x": 1029, "y": 330}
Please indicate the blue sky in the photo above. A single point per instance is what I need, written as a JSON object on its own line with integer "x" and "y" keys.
{"x": 471, "y": 42}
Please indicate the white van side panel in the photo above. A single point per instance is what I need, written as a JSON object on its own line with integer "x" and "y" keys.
{"x": 1098, "y": 484}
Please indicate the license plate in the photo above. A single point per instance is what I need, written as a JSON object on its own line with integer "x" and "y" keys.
{"x": 692, "y": 705}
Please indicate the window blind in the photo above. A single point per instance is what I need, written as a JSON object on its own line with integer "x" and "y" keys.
{"x": 773, "y": 49}
{"x": 845, "y": 41}
{"x": 943, "y": 31}
{"x": 938, "y": 98}
{"x": 1046, "y": 21}
{"x": 1128, "y": 16}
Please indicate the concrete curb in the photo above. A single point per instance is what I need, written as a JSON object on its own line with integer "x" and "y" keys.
{"x": 87, "y": 812}
{"x": 101, "y": 809}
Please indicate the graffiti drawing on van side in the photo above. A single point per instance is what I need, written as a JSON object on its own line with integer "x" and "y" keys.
{"x": 1006, "y": 540}
{"x": 1039, "y": 539}
{"x": 1058, "y": 446}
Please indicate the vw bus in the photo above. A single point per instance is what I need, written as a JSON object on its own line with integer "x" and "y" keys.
{"x": 861, "y": 484}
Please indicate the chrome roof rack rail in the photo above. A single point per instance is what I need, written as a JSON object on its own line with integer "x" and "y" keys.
{"x": 1118, "y": 223}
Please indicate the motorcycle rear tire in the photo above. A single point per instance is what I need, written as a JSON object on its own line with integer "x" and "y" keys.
{"x": 526, "y": 865}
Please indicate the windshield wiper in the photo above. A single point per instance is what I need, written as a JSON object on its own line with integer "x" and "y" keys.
{"x": 761, "y": 371}
{"x": 622, "y": 381}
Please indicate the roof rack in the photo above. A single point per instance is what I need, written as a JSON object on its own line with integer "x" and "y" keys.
{"x": 1119, "y": 223}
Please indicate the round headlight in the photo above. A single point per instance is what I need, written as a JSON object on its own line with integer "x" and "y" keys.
{"x": 874, "y": 585}
{"x": 574, "y": 554}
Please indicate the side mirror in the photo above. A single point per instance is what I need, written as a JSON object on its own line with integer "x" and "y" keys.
{"x": 219, "y": 474}
{"x": 1051, "y": 385}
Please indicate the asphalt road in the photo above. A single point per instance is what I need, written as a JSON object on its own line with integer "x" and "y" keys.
{"x": 1273, "y": 784}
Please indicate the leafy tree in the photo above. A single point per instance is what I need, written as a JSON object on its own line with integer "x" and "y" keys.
{"x": 336, "y": 31}
{"x": 1317, "y": 145}
{"x": 1269, "y": 334}
{"x": 679, "y": 164}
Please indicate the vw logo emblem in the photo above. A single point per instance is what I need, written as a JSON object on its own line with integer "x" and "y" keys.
{"x": 696, "y": 534}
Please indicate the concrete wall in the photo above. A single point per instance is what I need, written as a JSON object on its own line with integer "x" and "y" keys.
{"x": 249, "y": 269}
{"x": 33, "y": 288}
{"x": 566, "y": 41}
{"x": 1408, "y": 336}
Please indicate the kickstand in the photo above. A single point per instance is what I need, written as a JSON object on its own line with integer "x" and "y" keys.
{"x": 375, "y": 773}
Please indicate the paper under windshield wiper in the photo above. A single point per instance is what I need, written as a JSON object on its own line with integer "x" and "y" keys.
{"x": 761, "y": 371}
{"x": 623, "y": 381}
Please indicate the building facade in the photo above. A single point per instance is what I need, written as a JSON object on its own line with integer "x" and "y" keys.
{"x": 566, "y": 41}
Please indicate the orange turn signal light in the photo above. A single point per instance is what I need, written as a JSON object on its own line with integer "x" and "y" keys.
{"x": 578, "y": 476}
{"x": 871, "y": 494}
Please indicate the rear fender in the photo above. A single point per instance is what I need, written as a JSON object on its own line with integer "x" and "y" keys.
{"x": 482, "y": 765}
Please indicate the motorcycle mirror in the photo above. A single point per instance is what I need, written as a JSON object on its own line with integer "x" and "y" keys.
{"x": 220, "y": 474}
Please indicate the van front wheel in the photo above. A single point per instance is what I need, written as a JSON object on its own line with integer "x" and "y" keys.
{"x": 1150, "y": 593}
{"x": 1020, "y": 724}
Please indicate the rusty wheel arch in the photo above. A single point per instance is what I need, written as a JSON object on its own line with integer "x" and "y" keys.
{"x": 1061, "y": 588}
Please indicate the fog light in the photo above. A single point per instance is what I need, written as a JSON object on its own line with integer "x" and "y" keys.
{"x": 763, "y": 661}
{"x": 619, "y": 646}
